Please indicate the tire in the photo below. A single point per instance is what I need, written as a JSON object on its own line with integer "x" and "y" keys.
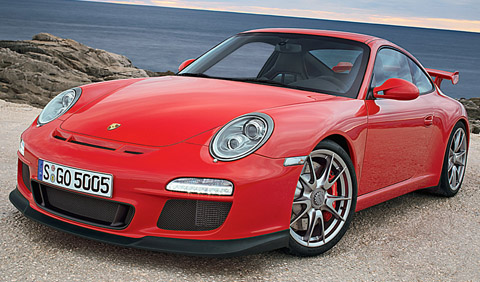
{"x": 323, "y": 207}
{"x": 454, "y": 163}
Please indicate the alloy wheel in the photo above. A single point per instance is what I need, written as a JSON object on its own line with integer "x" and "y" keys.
{"x": 323, "y": 199}
{"x": 457, "y": 158}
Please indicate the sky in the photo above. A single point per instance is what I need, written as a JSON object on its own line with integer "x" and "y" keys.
{"x": 455, "y": 15}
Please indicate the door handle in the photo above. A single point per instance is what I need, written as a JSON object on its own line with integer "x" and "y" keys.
{"x": 428, "y": 120}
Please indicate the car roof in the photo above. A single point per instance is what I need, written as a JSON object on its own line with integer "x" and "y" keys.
{"x": 331, "y": 33}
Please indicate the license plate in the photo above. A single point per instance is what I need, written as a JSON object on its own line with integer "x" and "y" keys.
{"x": 75, "y": 179}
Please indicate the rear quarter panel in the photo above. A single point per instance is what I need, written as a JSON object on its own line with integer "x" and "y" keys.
{"x": 447, "y": 112}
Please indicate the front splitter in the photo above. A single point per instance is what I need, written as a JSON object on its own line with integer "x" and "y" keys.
{"x": 209, "y": 248}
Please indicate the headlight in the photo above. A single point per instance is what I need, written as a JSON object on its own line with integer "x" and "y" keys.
{"x": 241, "y": 137}
{"x": 59, "y": 105}
{"x": 21, "y": 148}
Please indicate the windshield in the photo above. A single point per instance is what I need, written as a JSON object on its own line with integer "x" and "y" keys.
{"x": 316, "y": 63}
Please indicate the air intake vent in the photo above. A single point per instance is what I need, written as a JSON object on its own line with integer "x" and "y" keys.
{"x": 78, "y": 207}
{"x": 91, "y": 145}
{"x": 193, "y": 215}
{"x": 133, "y": 153}
{"x": 59, "y": 137}
{"x": 102, "y": 144}
{"x": 26, "y": 176}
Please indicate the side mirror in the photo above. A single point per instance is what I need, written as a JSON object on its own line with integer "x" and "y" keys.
{"x": 342, "y": 67}
{"x": 185, "y": 64}
{"x": 396, "y": 89}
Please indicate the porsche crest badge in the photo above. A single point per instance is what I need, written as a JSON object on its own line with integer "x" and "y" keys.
{"x": 113, "y": 126}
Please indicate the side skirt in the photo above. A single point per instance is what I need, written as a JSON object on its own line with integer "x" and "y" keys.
{"x": 384, "y": 194}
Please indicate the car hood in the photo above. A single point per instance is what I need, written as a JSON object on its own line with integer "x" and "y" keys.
{"x": 168, "y": 110}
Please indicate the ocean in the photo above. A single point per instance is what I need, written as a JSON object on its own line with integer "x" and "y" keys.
{"x": 159, "y": 39}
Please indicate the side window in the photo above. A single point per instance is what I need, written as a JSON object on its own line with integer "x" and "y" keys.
{"x": 420, "y": 79}
{"x": 247, "y": 61}
{"x": 390, "y": 64}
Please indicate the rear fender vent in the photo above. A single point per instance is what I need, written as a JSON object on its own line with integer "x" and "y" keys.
{"x": 193, "y": 215}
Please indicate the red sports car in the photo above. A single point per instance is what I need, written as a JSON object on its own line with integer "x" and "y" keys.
{"x": 272, "y": 139}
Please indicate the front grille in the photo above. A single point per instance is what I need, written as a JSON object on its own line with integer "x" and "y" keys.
{"x": 193, "y": 215}
{"x": 82, "y": 208}
{"x": 26, "y": 176}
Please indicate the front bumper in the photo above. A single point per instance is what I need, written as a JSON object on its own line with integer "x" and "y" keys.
{"x": 258, "y": 219}
{"x": 216, "y": 248}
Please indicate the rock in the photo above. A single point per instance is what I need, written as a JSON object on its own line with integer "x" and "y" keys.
{"x": 34, "y": 71}
{"x": 157, "y": 73}
{"x": 45, "y": 37}
{"x": 472, "y": 106}
{"x": 475, "y": 127}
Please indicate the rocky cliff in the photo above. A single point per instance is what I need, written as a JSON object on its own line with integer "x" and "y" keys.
{"x": 34, "y": 71}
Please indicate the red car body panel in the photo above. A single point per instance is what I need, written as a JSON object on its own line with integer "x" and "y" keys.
{"x": 176, "y": 109}
{"x": 396, "y": 146}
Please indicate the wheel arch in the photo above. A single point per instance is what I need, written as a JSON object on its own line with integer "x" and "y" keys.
{"x": 467, "y": 127}
{"x": 462, "y": 120}
{"x": 343, "y": 142}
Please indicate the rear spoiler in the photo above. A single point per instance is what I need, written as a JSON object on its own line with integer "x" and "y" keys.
{"x": 440, "y": 75}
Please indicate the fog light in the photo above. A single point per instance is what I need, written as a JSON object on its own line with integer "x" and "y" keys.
{"x": 201, "y": 186}
{"x": 21, "y": 149}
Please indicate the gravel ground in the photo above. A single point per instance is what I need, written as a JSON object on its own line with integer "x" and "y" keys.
{"x": 416, "y": 237}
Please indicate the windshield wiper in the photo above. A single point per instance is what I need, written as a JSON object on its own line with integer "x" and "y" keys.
{"x": 261, "y": 81}
{"x": 253, "y": 80}
{"x": 195, "y": 75}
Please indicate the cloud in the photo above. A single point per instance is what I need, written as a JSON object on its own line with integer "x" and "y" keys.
{"x": 442, "y": 14}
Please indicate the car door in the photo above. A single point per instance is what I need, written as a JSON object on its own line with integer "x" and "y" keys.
{"x": 398, "y": 131}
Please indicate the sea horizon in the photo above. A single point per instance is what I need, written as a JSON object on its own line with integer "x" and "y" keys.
{"x": 272, "y": 15}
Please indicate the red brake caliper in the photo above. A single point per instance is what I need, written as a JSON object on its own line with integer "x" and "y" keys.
{"x": 332, "y": 191}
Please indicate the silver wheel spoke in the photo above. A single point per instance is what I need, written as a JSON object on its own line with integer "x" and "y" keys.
{"x": 312, "y": 218}
{"x": 459, "y": 142}
{"x": 453, "y": 182}
{"x": 329, "y": 208}
{"x": 458, "y": 176}
{"x": 322, "y": 225}
{"x": 302, "y": 201}
{"x": 311, "y": 181}
{"x": 306, "y": 183}
{"x": 459, "y": 158}
{"x": 323, "y": 180}
{"x": 456, "y": 144}
{"x": 329, "y": 184}
{"x": 332, "y": 199}
{"x": 461, "y": 154}
{"x": 450, "y": 164}
{"x": 329, "y": 205}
